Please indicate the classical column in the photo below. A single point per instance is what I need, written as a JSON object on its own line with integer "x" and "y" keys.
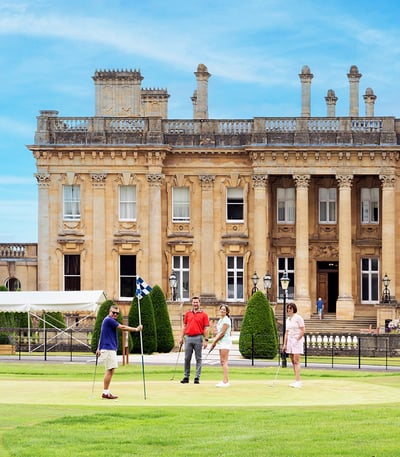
{"x": 99, "y": 222}
{"x": 261, "y": 248}
{"x": 302, "y": 251}
{"x": 43, "y": 270}
{"x": 154, "y": 233}
{"x": 306, "y": 77}
{"x": 345, "y": 302}
{"x": 354, "y": 77}
{"x": 388, "y": 222}
{"x": 207, "y": 272}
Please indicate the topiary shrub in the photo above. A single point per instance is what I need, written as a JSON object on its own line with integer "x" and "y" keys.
{"x": 149, "y": 332}
{"x": 102, "y": 313}
{"x": 165, "y": 336}
{"x": 258, "y": 334}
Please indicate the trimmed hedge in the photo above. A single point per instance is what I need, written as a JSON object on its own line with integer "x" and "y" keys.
{"x": 165, "y": 336}
{"x": 149, "y": 332}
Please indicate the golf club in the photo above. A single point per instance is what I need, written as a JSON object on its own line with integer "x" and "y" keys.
{"x": 94, "y": 375}
{"x": 208, "y": 353}
{"x": 276, "y": 374}
{"x": 176, "y": 364}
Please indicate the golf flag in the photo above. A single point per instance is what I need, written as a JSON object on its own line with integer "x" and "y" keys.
{"x": 142, "y": 288}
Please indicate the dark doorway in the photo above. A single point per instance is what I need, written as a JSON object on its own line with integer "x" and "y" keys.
{"x": 328, "y": 284}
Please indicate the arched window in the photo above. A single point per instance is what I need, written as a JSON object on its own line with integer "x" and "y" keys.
{"x": 13, "y": 284}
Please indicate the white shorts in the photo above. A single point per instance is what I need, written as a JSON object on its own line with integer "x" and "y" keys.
{"x": 223, "y": 346}
{"x": 294, "y": 346}
{"x": 109, "y": 359}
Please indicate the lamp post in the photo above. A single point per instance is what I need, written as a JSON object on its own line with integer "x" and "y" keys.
{"x": 267, "y": 283}
{"x": 255, "y": 279}
{"x": 172, "y": 283}
{"x": 386, "y": 291}
{"x": 284, "y": 284}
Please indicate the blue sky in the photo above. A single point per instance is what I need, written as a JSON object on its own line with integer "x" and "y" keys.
{"x": 254, "y": 49}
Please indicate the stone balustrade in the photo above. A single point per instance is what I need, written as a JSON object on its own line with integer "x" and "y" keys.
{"x": 17, "y": 251}
{"x": 52, "y": 129}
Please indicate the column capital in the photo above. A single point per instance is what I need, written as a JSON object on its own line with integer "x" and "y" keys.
{"x": 260, "y": 181}
{"x": 388, "y": 180}
{"x": 302, "y": 181}
{"x": 345, "y": 180}
{"x": 207, "y": 181}
{"x": 43, "y": 180}
{"x": 98, "y": 179}
{"x": 155, "y": 180}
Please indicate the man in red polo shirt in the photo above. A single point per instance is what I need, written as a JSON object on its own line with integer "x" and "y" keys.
{"x": 195, "y": 333}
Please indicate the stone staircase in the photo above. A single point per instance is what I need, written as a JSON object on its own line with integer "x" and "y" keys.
{"x": 329, "y": 325}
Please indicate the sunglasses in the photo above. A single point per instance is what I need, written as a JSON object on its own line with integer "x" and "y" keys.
{"x": 115, "y": 313}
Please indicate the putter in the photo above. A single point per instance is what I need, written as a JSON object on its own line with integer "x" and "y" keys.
{"x": 208, "y": 353}
{"x": 176, "y": 364}
{"x": 94, "y": 375}
{"x": 276, "y": 374}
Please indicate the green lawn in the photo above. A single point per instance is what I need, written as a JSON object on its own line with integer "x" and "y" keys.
{"x": 48, "y": 410}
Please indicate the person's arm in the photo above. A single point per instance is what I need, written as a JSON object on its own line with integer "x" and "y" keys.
{"x": 285, "y": 341}
{"x": 220, "y": 335}
{"x": 130, "y": 329}
{"x": 301, "y": 334}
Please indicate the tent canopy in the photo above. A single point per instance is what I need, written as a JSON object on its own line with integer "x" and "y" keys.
{"x": 51, "y": 301}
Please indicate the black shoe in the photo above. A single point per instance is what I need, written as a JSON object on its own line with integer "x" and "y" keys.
{"x": 185, "y": 381}
{"x": 196, "y": 381}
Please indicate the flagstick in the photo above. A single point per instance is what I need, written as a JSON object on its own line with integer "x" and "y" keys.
{"x": 141, "y": 350}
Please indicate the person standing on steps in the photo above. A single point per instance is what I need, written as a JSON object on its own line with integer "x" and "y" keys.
{"x": 108, "y": 346}
{"x": 195, "y": 334}
{"x": 320, "y": 307}
{"x": 223, "y": 342}
{"x": 293, "y": 343}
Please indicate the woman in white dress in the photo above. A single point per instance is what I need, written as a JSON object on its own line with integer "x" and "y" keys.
{"x": 223, "y": 342}
{"x": 293, "y": 343}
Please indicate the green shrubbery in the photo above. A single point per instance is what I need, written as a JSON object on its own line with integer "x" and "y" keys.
{"x": 258, "y": 335}
{"x": 165, "y": 336}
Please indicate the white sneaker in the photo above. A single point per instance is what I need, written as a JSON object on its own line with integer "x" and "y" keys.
{"x": 296, "y": 384}
{"x": 222, "y": 384}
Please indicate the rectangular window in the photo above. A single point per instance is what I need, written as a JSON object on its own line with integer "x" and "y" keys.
{"x": 72, "y": 272}
{"x": 370, "y": 205}
{"x": 127, "y": 203}
{"x": 127, "y": 276}
{"x": 235, "y": 277}
{"x": 370, "y": 280}
{"x": 286, "y": 264}
{"x": 180, "y": 204}
{"x": 71, "y": 203}
{"x": 180, "y": 265}
{"x": 286, "y": 205}
{"x": 327, "y": 205}
{"x": 234, "y": 204}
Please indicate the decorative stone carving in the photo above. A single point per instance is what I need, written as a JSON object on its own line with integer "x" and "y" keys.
{"x": 260, "y": 181}
{"x": 98, "y": 179}
{"x": 207, "y": 181}
{"x": 302, "y": 181}
{"x": 155, "y": 180}
{"x": 43, "y": 180}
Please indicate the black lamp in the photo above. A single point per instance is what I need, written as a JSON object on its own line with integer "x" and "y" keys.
{"x": 255, "y": 279}
{"x": 267, "y": 283}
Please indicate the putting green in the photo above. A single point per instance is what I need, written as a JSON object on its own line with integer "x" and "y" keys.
{"x": 315, "y": 392}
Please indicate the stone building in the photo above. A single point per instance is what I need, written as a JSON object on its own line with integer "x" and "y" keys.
{"x": 131, "y": 192}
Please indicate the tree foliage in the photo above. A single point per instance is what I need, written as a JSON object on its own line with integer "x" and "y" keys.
{"x": 258, "y": 334}
{"x": 149, "y": 332}
{"x": 165, "y": 336}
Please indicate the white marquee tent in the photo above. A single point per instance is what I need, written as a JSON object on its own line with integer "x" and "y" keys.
{"x": 33, "y": 302}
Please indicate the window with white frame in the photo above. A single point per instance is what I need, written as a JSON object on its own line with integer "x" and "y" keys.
{"x": 235, "y": 277}
{"x": 127, "y": 203}
{"x": 180, "y": 204}
{"x": 286, "y": 204}
{"x": 327, "y": 205}
{"x": 127, "y": 276}
{"x": 234, "y": 204}
{"x": 285, "y": 264}
{"x": 72, "y": 272}
{"x": 180, "y": 265}
{"x": 71, "y": 203}
{"x": 370, "y": 280}
{"x": 370, "y": 205}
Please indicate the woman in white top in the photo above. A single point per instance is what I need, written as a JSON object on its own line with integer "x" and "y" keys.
{"x": 223, "y": 342}
{"x": 294, "y": 340}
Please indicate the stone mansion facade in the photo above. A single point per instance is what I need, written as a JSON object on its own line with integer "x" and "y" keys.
{"x": 131, "y": 192}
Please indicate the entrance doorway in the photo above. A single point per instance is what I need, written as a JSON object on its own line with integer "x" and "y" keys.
{"x": 328, "y": 284}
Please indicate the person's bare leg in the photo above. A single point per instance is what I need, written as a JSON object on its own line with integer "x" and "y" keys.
{"x": 224, "y": 355}
{"x": 107, "y": 378}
